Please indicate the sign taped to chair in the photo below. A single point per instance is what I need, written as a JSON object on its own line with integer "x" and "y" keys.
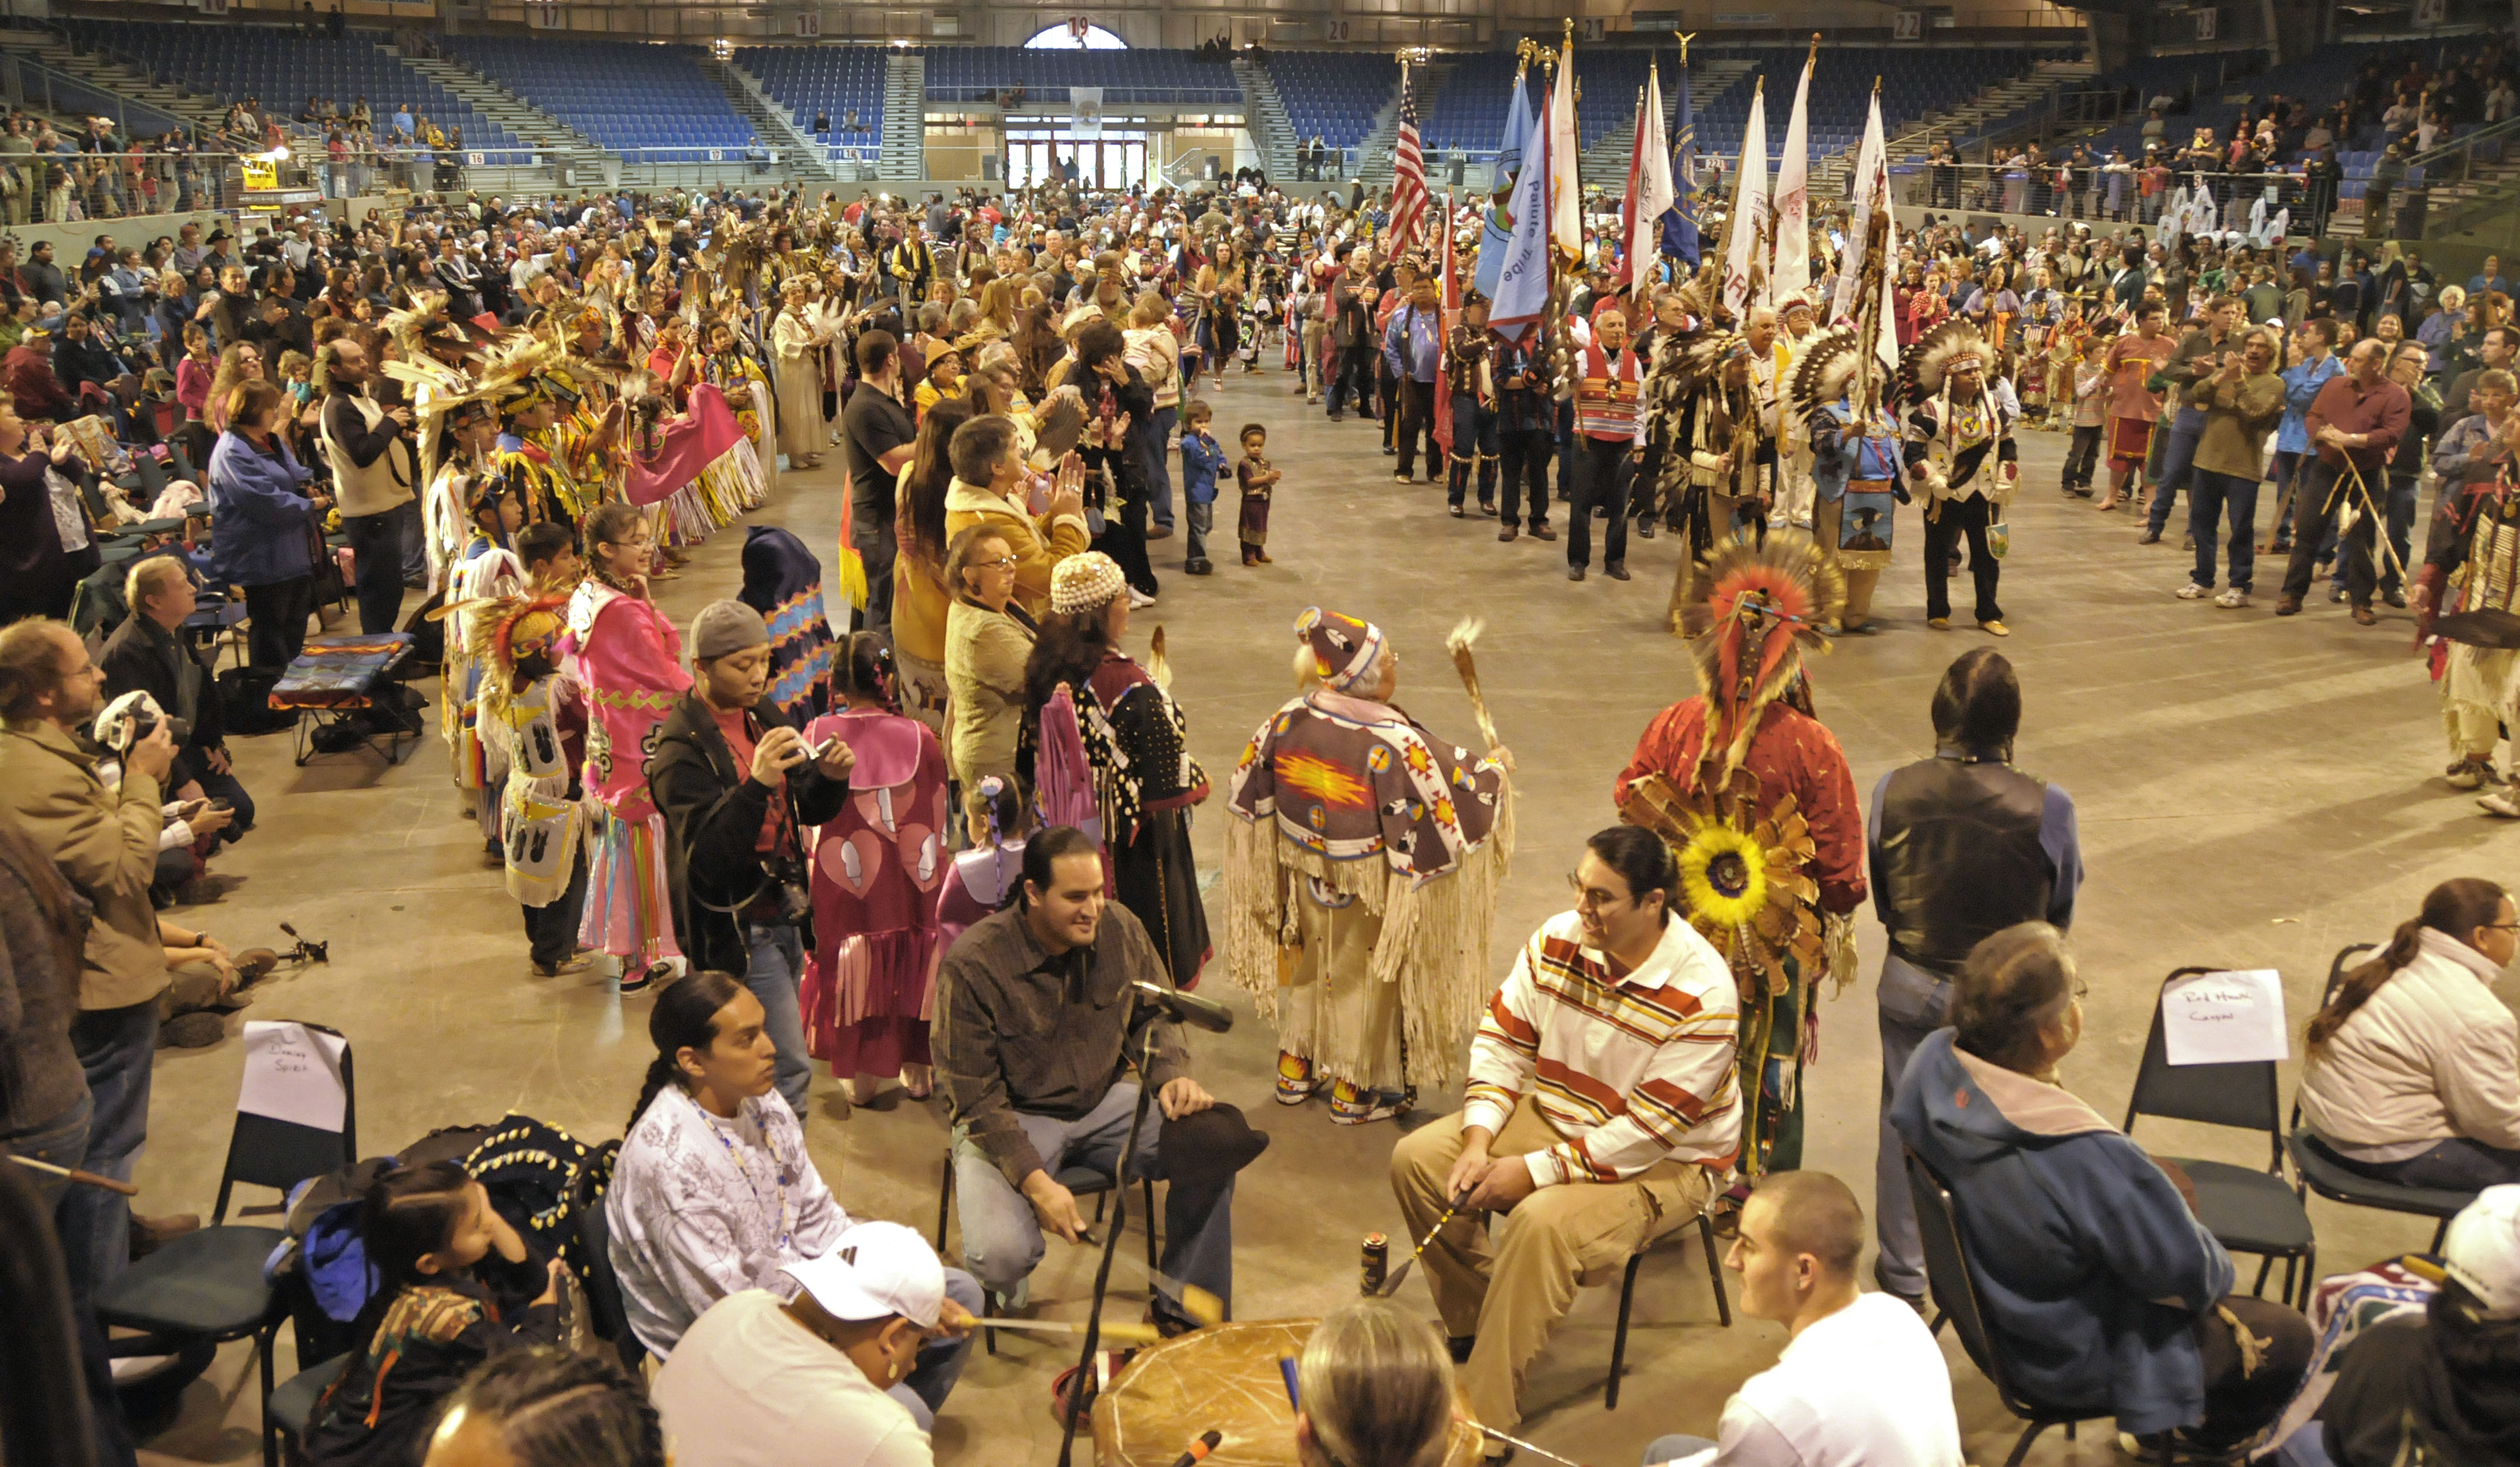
{"x": 294, "y": 1074}
{"x": 2225, "y": 1017}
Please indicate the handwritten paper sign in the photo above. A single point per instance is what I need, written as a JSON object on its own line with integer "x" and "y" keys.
{"x": 2225, "y": 1017}
{"x": 292, "y": 1073}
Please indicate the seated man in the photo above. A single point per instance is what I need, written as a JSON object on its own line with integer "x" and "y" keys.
{"x": 1602, "y": 1106}
{"x": 145, "y": 652}
{"x": 758, "y": 1382}
{"x": 1861, "y": 1379}
{"x": 713, "y": 1193}
{"x": 1055, "y": 969}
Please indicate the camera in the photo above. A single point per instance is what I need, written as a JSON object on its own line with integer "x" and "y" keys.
{"x": 133, "y": 717}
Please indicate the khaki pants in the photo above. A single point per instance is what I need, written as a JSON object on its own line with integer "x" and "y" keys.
{"x": 1826, "y": 522}
{"x": 1512, "y": 1292}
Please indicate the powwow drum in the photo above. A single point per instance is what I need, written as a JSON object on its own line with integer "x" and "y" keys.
{"x": 1226, "y": 1379}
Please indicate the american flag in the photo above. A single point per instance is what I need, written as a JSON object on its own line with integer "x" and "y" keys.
{"x": 1408, "y": 178}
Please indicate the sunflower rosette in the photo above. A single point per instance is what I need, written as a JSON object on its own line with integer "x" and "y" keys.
{"x": 1745, "y": 881}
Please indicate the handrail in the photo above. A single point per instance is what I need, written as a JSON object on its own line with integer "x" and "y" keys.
{"x": 2466, "y": 142}
{"x": 86, "y": 99}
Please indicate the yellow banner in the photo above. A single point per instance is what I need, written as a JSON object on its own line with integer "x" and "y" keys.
{"x": 260, "y": 173}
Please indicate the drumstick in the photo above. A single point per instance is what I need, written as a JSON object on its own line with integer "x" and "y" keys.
{"x": 77, "y": 1175}
{"x": 1391, "y": 1285}
{"x": 1202, "y": 1307}
{"x": 1117, "y": 1334}
{"x": 1519, "y": 1445}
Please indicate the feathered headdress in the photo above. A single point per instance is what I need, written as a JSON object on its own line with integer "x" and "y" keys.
{"x": 1822, "y": 372}
{"x": 1754, "y": 609}
{"x": 506, "y": 628}
{"x": 1929, "y": 359}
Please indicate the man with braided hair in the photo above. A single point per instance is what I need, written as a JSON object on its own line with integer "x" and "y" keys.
{"x": 1755, "y": 798}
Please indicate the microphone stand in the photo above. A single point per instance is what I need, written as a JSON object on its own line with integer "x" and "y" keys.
{"x": 1111, "y": 1235}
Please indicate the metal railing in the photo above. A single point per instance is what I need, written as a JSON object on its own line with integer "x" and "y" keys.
{"x": 33, "y": 84}
{"x": 1997, "y": 188}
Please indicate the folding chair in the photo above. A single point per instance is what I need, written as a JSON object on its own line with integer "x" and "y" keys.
{"x": 595, "y": 1234}
{"x": 1628, "y": 1298}
{"x": 2321, "y": 1171}
{"x": 208, "y": 1285}
{"x": 2247, "y": 1210}
{"x": 1082, "y": 1181}
{"x": 1954, "y": 1282}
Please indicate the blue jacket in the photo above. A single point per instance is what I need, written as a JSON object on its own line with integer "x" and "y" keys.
{"x": 258, "y": 515}
{"x": 1412, "y": 344}
{"x": 1202, "y": 459}
{"x": 2085, "y": 1258}
{"x": 2302, "y": 381}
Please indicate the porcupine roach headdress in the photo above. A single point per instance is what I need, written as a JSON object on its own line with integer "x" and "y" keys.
{"x": 1822, "y": 372}
{"x": 1928, "y": 360}
{"x": 1755, "y": 609}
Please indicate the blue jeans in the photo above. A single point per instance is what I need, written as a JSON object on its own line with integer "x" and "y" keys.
{"x": 2458, "y": 1164}
{"x": 1156, "y": 464}
{"x": 1673, "y": 1448}
{"x": 63, "y": 1141}
{"x": 2207, "y": 497}
{"x": 1913, "y": 1006}
{"x": 940, "y": 1364}
{"x": 1002, "y": 1239}
{"x": 1201, "y": 515}
{"x": 115, "y": 1047}
{"x": 2177, "y": 457}
{"x": 777, "y": 961}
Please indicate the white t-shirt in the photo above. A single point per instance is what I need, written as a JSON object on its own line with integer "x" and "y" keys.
{"x": 748, "y": 1387}
{"x": 1866, "y": 1386}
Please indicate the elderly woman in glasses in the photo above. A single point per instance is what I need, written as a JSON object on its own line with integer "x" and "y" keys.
{"x": 988, "y": 638}
{"x": 2088, "y": 1263}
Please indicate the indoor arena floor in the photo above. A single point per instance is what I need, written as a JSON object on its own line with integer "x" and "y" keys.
{"x": 2253, "y": 793}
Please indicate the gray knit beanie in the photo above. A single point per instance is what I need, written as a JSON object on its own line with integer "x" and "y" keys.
{"x": 726, "y": 626}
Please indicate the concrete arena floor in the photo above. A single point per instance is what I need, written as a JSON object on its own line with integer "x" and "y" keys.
{"x": 2252, "y": 794}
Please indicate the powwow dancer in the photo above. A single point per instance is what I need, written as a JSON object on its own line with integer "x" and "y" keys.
{"x": 2467, "y": 604}
{"x": 1754, "y": 797}
{"x": 1961, "y": 458}
{"x": 1362, "y": 864}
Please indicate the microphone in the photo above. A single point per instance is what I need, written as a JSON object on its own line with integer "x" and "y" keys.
{"x": 1207, "y": 1441}
{"x": 1188, "y": 1008}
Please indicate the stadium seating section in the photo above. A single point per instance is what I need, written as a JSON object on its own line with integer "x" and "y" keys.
{"x": 1336, "y": 94}
{"x": 831, "y": 81}
{"x": 284, "y": 69}
{"x": 976, "y": 73}
{"x": 650, "y": 101}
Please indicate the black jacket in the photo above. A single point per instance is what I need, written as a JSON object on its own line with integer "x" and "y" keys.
{"x": 2395, "y": 1392}
{"x": 140, "y": 655}
{"x": 713, "y": 815}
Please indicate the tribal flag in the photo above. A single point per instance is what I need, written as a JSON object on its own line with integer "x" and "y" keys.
{"x": 1652, "y": 194}
{"x": 1628, "y": 274}
{"x": 1447, "y": 316}
{"x": 1745, "y": 230}
{"x": 1565, "y": 159}
{"x": 1791, "y": 275}
{"x": 1523, "y": 280}
{"x": 1680, "y": 226}
{"x": 1497, "y": 219}
{"x": 1870, "y": 160}
{"x": 1408, "y": 177}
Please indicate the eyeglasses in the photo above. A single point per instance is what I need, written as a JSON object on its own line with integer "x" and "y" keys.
{"x": 1002, "y": 563}
{"x": 1591, "y": 898}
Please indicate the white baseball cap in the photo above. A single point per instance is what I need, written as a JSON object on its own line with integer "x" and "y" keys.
{"x": 2482, "y": 1250}
{"x": 876, "y": 1269}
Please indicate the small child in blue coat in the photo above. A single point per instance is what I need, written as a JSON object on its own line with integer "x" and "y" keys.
{"x": 1202, "y": 459}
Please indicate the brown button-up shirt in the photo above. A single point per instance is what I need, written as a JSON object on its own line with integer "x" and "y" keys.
{"x": 2380, "y": 410}
{"x": 1019, "y": 1029}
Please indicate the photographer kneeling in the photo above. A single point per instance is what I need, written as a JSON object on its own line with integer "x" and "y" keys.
{"x": 737, "y": 785}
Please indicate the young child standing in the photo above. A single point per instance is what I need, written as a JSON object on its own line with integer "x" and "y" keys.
{"x": 1258, "y": 482}
{"x": 1202, "y": 459}
{"x": 2092, "y": 383}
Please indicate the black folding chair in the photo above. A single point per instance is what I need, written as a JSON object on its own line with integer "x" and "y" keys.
{"x": 292, "y": 1407}
{"x": 208, "y": 1285}
{"x": 611, "y": 1317}
{"x": 2321, "y": 1171}
{"x": 2247, "y": 1210}
{"x": 1628, "y": 1298}
{"x": 1081, "y": 1182}
{"x": 1953, "y": 1284}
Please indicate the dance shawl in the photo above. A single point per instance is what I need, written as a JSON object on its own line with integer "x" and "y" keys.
{"x": 1357, "y": 795}
{"x": 783, "y": 582}
{"x": 632, "y": 675}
